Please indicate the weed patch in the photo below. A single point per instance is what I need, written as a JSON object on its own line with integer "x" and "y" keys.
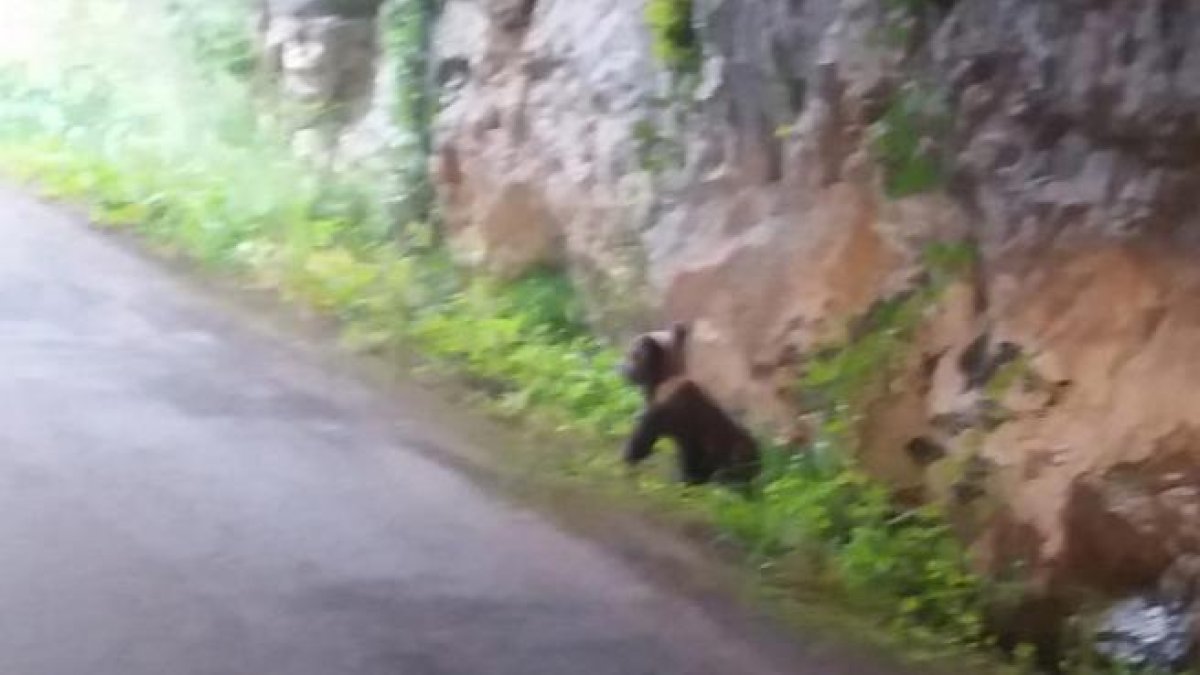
{"x": 903, "y": 145}
{"x": 906, "y": 564}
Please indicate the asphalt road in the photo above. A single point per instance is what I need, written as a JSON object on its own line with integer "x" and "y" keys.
{"x": 180, "y": 494}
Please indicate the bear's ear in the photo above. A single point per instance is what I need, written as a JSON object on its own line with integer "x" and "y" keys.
{"x": 648, "y": 351}
{"x": 679, "y": 334}
{"x": 646, "y": 360}
{"x": 646, "y": 344}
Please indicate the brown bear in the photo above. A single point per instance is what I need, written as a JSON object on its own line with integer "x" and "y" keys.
{"x": 710, "y": 444}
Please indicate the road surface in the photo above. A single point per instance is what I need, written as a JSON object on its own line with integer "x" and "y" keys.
{"x": 181, "y": 494}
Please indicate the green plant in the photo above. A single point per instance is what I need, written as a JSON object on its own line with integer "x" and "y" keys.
{"x": 217, "y": 33}
{"x": 675, "y": 41}
{"x": 1015, "y": 372}
{"x": 536, "y": 356}
{"x": 907, "y": 566}
{"x": 548, "y": 299}
{"x": 901, "y": 140}
{"x": 949, "y": 260}
{"x": 915, "y": 560}
{"x": 907, "y": 563}
{"x": 842, "y": 379}
{"x": 656, "y": 153}
{"x": 408, "y": 36}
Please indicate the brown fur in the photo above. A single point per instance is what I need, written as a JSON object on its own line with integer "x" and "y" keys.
{"x": 711, "y": 445}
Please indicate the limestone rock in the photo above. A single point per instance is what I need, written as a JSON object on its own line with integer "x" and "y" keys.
{"x": 323, "y": 59}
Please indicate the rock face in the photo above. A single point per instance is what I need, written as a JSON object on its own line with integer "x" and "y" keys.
{"x": 1051, "y": 396}
{"x": 323, "y": 59}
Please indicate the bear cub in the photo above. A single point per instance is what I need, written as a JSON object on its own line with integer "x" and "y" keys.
{"x": 710, "y": 444}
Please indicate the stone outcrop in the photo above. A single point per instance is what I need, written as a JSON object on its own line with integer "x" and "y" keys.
{"x": 322, "y": 59}
{"x": 1051, "y": 396}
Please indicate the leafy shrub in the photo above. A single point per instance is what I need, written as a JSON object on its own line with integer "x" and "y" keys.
{"x": 217, "y": 33}
{"x": 548, "y": 299}
{"x": 542, "y": 363}
{"x": 949, "y": 260}
{"x": 902, "y": 142}
{"x": 675, "y": 41}
{"x": 907, "y": 562}
{"x": 657, "y": 152}
{"x": 842, "y": 379}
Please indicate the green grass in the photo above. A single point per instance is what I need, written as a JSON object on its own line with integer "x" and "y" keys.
{"x": 907, "y": 564}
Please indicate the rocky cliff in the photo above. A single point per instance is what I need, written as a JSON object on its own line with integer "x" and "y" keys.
{"x": 326, "y": 58}
{"x": 797, "y": 176}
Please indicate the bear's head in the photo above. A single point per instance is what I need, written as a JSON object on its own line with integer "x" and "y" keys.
{"x": 655, "y": 357}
